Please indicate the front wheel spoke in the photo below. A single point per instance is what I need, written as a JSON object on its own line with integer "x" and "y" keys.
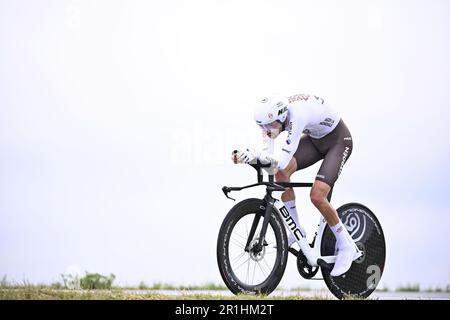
{"x": 262, "y": 267}
{"x": 268, "y": 267}
{"x": 271, "y": 244}
{"x": 242, "y": 263}
{"x": 259, "y": 265}
{"x": 240, "y": 236}
{"x": 238, "y": 257}
{"x": 248, "y": 272}
{"x": 254, "y": 271}
{"x": 237, "y": 243}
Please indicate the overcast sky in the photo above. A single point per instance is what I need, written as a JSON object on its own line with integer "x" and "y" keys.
{"x": 117, "y": 119}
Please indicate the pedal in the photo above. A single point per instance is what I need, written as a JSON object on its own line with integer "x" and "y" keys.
{"x": 359, "y": 256}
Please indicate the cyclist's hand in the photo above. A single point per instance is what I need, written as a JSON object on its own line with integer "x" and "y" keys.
{"x": 245, "y": 156}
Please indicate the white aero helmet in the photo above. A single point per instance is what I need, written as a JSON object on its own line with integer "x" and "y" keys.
{"x": 271, "y": 109}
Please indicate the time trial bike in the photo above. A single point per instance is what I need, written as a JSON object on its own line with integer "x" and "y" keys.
{"x": 252, "y": 246}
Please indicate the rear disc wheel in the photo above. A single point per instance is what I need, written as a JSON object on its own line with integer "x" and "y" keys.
{"x": 365, "y": 272}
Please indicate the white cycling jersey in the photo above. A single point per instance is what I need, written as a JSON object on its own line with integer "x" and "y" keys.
{"x": 307, "y": 114}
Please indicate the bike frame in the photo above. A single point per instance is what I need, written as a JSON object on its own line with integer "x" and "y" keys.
{"x": 312, "y": 254}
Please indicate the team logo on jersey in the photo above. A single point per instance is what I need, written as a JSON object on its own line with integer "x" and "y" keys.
{"x": 270, "y": 116}
{"x": 289, "y": 128}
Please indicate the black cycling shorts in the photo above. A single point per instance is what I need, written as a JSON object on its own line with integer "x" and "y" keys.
{"x": 335, "y": 148}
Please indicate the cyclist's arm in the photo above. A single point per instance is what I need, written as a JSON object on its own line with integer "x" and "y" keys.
{"x": 291, "y": 144}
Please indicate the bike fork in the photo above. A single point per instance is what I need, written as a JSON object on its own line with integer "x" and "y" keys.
{"x": 269, "y": 202}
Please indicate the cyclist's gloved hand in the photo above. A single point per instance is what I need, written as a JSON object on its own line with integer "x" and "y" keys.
{"x": 247, "y": 156}
{"x": 250, "y": 155}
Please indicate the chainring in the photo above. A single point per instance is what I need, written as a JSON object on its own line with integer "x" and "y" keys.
{"x": 305, "y": 270}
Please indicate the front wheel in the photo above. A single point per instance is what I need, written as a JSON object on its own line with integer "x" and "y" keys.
{"x": 246, "y": 270}
{"x": 365, "y": 272}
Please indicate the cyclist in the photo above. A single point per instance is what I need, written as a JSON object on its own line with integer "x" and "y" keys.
{"x": 315, "y": 132}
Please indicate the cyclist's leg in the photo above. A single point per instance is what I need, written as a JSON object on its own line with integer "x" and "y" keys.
{"x": 329, "y": 171}
{"x": 325, "y": 179}
{"x": 338, "y": 146}
{"x": 307, "y": 153}
{"x": 288, "y": 198}
{"x": 305, "y": 156}
{"x": 285, "y": 176}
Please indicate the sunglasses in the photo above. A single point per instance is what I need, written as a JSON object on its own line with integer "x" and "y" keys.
{"x": 271, "y": 126}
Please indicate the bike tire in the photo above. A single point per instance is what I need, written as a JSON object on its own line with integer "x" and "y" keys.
{"x": 240, "y": 210}
{"x": 365, "y": 273}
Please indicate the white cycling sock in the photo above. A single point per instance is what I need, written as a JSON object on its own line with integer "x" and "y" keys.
{"x": 347, "y": 251}
{"x": 290, "y": 205}
{"x": 343, "y": 238}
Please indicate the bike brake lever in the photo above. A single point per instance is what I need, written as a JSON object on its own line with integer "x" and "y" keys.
{"x": 226, "y": 190}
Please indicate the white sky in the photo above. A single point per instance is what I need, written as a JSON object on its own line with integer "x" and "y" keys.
{"x": 117, "y": 119}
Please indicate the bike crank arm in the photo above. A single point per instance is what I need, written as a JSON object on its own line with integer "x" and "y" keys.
{"x": 326, "y": 262}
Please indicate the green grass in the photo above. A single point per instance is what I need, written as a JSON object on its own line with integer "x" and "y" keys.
{"x": 166, "y": 286}
{"x": 409, "y": 288}
{"x": 416, "y": 288}
{"x": 40, "y": 293}
{"x": 6, "y": 284}
{"x": 57, "y": 294}
{"x": 438, "y": 289}
{"x": 56, "y": 291}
